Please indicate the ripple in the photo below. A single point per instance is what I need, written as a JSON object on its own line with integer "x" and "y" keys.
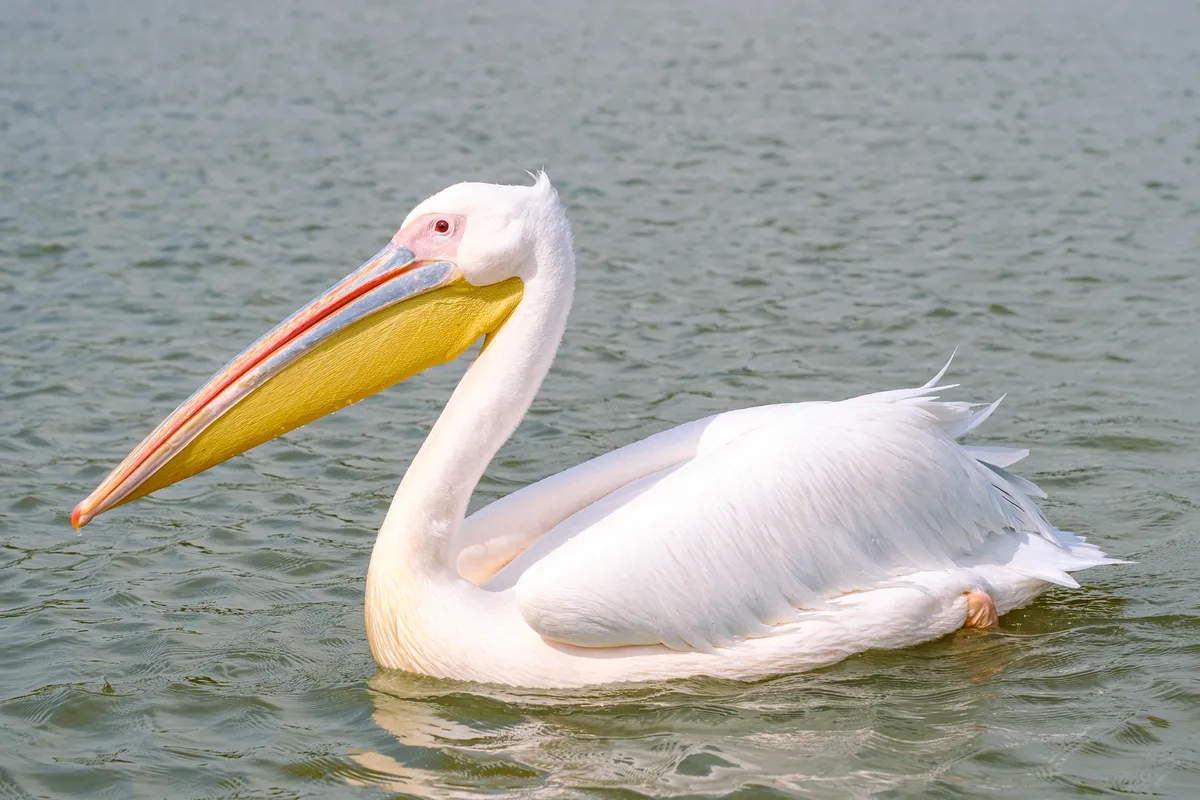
{"x": 1123, "y": 443}
{"x": 761, "y": 214}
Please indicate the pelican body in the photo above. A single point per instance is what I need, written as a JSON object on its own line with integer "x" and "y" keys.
{"x": 751, "y": 543}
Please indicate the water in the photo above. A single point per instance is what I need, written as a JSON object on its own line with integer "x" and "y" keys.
{"x": 770, "y": 203}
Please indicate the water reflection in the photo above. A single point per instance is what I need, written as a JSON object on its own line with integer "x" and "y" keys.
{"x": 886, "y": 719}
{"x": 772, "y": 203}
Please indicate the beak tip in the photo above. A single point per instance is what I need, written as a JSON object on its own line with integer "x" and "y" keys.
{"x": 76, "y": 521}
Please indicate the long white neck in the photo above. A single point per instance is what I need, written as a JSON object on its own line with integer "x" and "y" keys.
{"x": 418, "y": 533}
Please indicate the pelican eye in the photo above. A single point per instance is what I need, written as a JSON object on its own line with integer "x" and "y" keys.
{"x": 441, "y": 226}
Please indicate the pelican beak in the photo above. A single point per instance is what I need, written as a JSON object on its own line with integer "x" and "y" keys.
{"x": 393, "y": 317}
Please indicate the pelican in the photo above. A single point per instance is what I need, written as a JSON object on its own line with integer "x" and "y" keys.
{"x": 747, "y": 544}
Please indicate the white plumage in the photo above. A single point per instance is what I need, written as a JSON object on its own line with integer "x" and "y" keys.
{"x": 750, "y": 543}
{"x": 839, "y": 497}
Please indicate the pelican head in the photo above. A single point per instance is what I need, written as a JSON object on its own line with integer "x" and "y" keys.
{"x": 454, "y": 272}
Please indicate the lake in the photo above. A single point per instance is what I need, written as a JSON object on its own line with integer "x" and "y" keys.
{"x": 771, "y": 202}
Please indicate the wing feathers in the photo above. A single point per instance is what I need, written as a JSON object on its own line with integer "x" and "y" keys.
{"x": 770, "y": 520}
{"x": 498, "y": 534}
{"x": 997, "y": 456}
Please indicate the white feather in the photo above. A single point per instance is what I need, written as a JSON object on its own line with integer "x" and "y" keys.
{"x": 816, "y": 501}
{"x": 754, "y": 542}
{"x": 750, "y": 543}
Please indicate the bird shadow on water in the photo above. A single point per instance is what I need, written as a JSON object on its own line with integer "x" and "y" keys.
{"x": 877, "y": 722}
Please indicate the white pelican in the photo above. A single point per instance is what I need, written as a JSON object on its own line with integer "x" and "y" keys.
{"x": 746, "y": 544}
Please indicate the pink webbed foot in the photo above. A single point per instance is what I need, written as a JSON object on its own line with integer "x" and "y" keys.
{"x": 981, "y": 611}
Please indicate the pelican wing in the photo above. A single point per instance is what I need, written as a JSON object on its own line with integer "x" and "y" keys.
{"x": 813, "y": 501}
{"x": 491, "y": 537}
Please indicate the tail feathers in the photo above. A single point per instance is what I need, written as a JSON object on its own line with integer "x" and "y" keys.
{"x": 1044, "y": 552}
{"x": 1036, "y": 557}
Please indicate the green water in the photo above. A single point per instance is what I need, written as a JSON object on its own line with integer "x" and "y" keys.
{"x": 771, "y": 202}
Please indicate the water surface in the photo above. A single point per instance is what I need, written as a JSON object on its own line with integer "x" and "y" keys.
{"x": 771, "y": 202}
